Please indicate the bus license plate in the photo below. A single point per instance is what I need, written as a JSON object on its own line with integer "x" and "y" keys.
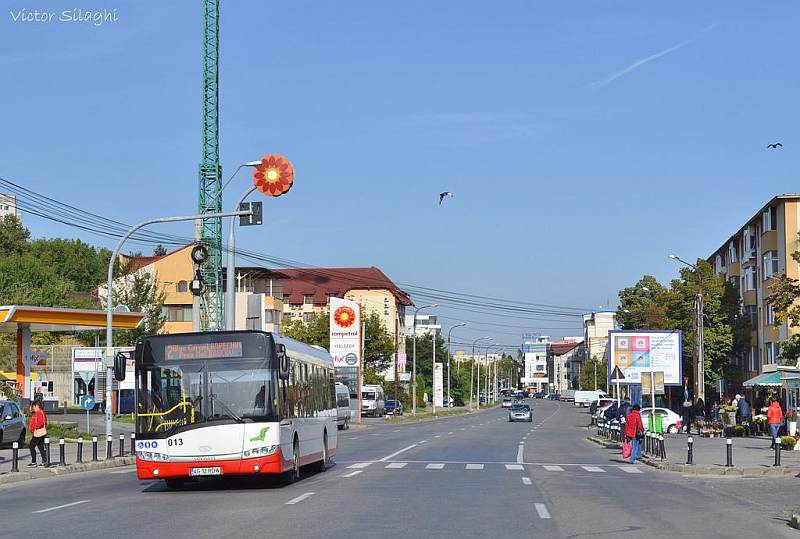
{"x": 211, "y": 470}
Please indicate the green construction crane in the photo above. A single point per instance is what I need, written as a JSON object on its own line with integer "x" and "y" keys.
{"x": 210, "y": 192}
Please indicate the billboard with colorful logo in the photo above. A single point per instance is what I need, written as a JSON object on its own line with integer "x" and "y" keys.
{"x": 638, "y": 351}
{"x": 345, "y": 332}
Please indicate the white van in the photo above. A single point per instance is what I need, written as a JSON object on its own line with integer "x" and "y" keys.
{"x": 372, "y": 401}
{"x": 342, "y": 406}
{"x": 585, "y": 398}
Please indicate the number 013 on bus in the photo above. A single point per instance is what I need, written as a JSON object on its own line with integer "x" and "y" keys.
{"x": 231, "y": 403}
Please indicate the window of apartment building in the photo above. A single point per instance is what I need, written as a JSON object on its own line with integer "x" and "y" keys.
{"x": 182, "y": 286}
{"x": 540, "y": 368}
{"x": 770, "y": 264}
{"x": 296, "y": 306}
{"x": 749, "y": 278}
{"x": 733, "y": 256}
{"x": 734, "y": 282}
{"x": 719, "y": 265}
{"x": 753, "y": 357}
{"x": 751, "y": 312}
{"x": 750, "y": 235}
{"x": 769, "y": 315}
{"x": 329, "y": 296}
{"x": 307, "y": 317}
{"x": 770, "y": 353}
{"x": 769, "y": 219}
{"x": 308, "y": 299}
{"x": 178, "y": 313}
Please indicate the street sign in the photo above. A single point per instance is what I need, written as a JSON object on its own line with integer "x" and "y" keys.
{"x": 647, "y": 379}
{"x": 617, "y": 374}
{"x": 87, "y": 402}
{"x": 254, "y": 218}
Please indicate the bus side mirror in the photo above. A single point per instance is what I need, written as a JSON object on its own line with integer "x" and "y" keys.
{"x": 120, "y": 362}
{"x": 283, "y": 362}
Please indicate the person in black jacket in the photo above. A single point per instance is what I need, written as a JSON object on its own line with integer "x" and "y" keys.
{"x": 699, "y": 412}
{"x": 745, "y": 412}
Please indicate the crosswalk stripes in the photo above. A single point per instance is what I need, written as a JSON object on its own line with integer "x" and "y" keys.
{"x": 358, "y": 467}
{"x": 541, "y": 509}
{"x": 396, "y": 465}
{"x": 474, "y": 467}
{"x": 514, "y": 467}
{"x": 595, "y": 469}
{"x": 553, "y": 468}
{"x": 526, "y": 480}
{"x": 434, "y": 466}
{"x": 353, "y": 474}
{"x": 629, "y": 469}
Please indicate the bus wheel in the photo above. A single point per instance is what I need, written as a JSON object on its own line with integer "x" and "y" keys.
{"x": 323, "y": 464}
{"x": 293, "y": 475}
{"x": 174, "y": 483}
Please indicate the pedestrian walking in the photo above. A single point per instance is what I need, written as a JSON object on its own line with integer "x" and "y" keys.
{"x": 634, "y": 432}
{"x": 774, "y": 419}
{"x": 745, "y": 412}
{"x": 38, "y": 429}
{"x": 687, "y": 408}
{"x": 699, "y": 412}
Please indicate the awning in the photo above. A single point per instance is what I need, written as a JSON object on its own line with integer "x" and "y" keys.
{"x": 770, "y": 379}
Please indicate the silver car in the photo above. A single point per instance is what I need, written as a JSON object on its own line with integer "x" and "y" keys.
{"x": 520, "y": 412}
{"x": 12, "y": 423}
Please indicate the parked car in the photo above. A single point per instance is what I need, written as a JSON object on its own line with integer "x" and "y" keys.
{"x": 555, "y": 396}
{"x": 568, "y": 395}
{"x": 342, "y": 406}
{"x": 506, "y": 402}
{"x": 447, "y": 403}
{"x": 520, "y": 412}
{"x": 539, "y": 395}
{"x": 393, "y": 407}
{"x": 585, "y": 398}
{"x": 12, "y": 423}
{"x": 482, "y": 399}
{"x": 521, "y": 395}
{"x": 372, "y": 401}
{"x": 670, "y": 421}
{"x": 601, "y": 402}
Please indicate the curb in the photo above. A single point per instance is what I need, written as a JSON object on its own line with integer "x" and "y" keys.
{"x": 703, "y": 469}
{"x": 55, "y": 470}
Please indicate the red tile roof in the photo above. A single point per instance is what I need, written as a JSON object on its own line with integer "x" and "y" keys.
{"x": 560, "y": 348}
{"x": 337, "y": 281}
{"x": 138, "y": 262}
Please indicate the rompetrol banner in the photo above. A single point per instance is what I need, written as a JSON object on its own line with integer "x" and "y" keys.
{"x": 345, "y": 332}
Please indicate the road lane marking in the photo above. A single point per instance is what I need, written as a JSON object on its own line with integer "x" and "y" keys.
{"x": 396, "y": 465}
{"x": 594, "y": 469}
{"x": 542, "y": 510}
{"x": 422, "y": 441}
{"x": 360, "y": 465}
{"x": 449, "y": 433}
{"x": 628, "y": 469}
{"x": 123, "y": 471}
{"x": 300, "y": 498}
{"x": 434, "y": 466}
{"x": 520, "y": 450}
{"x": 553, "y": 468}
{"x": 352, "y": 474}
{"x": 438, "y": 436}
{"x": 61, "y": 506}
{"x": 514, "y": 467}
{"x": 474, "y": 467}
{"x": 354, "y": 437}
{"x": 396, "y": 430}
{"x": 387, "y": 457}
{"x": 526, "y": 480}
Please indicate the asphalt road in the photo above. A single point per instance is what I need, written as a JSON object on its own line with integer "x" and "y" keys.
{"x": 466, "y": 476}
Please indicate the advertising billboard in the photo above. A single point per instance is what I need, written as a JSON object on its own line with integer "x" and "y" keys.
{"x": 345, "y": 332}
{"x": 638, "y": 351}
{"x": 438, "y": 390}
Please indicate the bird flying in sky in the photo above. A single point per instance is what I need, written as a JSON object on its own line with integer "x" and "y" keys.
{"x": 775, "y": 145}
{"x": 443, "y": 195}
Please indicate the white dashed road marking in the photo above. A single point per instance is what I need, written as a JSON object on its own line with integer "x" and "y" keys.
{"x": 542, "y": 510}
{"x": 451, "y": 432}
{"x": 553, "y": 468}
{"x": 520, "y": 450}
{"x": 434, "y": 466}
{"x": 130, "y": 470}
{"x": 300, "y": 498}
{"x": 396, "y": 465}
{"x": 360, "y": 465}
{"x": 352, "y": 474}
{"x": 61, "y": 506}
{"x": 595, "y": 469}
{"x": 474, "y": 467}
{"x": 526, "y": 480}
{"x": 629, "y": 469}
{"x": 514, "y": 467}
{"x": 387, "y": 457}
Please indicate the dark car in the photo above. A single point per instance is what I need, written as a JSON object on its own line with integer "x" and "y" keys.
{"x": 555, "y": 397}
{"x": 617, "y": 412}
{"x": 392, "y": 407}
{"x": 12, "y": 423}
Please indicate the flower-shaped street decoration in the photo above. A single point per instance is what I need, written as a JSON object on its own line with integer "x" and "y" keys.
{"x": 274, "y": 176}
{"x": 344, "y": 316}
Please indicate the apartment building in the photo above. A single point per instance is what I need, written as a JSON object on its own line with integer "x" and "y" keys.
{"x": 307, "y": 293}
{"x": 564, "y": 365}
{"x": 427, "y": 324}
{"x": 8, "y": 206}
{"x": 748, "y": 260}
{"x": 535, "y": 374}
{"x": 595, "y": 333}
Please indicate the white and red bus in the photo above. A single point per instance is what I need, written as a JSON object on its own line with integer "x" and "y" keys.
{"x": 232, "y": 403}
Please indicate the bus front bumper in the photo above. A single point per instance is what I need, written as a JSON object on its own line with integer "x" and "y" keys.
{"x": 270, "y": 464}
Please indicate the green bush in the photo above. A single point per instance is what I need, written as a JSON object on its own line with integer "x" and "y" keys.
{"x": 788, "y": 442}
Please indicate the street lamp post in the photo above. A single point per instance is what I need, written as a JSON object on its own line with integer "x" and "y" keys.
{"x": 414, "y": 360}
{"x": 491, "y": 373}
{"x": 449, "y": 356}
{"x": 472, "y": 369}
{"x": 109, "y": 353}
{"x": 699, "y": 367}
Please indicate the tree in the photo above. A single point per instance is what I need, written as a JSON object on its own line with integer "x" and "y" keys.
{"x": 25, "y": 280}
{"x": 141, "y": 294}
{"x": 378, "y": 344}
{"x": 642, "y": 306}
{"x": 13, "y": 236}
{"x": 81, "y": 263}
{"x": 159, "y": 250}
{"x": 590, "y": 367}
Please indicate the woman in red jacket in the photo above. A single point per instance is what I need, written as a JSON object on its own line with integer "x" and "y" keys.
{"x": 774, "y": 419}
{"x": 38, "y": 429}
{"x": 634, "y": 426}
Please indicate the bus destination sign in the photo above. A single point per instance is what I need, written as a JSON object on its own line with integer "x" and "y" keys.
{"x": 203, "y": 350}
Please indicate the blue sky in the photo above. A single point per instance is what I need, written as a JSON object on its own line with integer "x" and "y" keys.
{"x": 583, "y": 142}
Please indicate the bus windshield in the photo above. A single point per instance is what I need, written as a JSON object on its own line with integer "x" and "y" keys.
{"x": 368, "y": 395}
{"x": 192, "y": 392}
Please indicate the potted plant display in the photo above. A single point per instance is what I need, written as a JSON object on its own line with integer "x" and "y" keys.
{"x": 791, "y": 422}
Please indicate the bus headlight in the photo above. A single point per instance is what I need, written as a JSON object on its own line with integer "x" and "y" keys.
{"x": 152, "y": 456}
{"x": 260, "y": 451}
